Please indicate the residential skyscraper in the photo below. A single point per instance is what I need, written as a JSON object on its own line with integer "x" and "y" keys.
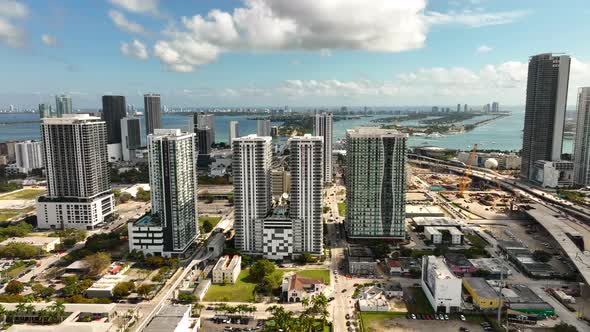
{"x": 173, "y": 186}
{"x": 45, "y": 111}
{"x": 78, "y": 178}
{"x": 376, "y": 183}
{"x": 234, "y": 131}
{"x": 130, "y": 136}
{"x": 263, "y": 127}
{"x": 204, "y": 140}
{"x": 204, "y": 121}
{"x": 152, "y": 112}
{"x": 306, "y": 165}
{"x": 324, "y": 127}
{"x": 465, "y": 108}
{"x": 29, "y": 155}
{"x": 63, "y": 105}
{"x": 113, "y": 110}
{"x": 495, "y": 107}
{"x": 582, "y": 144}
{"x": 458, "y": 108}
{"x": 544, "y": 119}
{"x": 252, "y": 157}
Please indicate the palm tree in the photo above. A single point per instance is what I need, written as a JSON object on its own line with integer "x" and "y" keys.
{"x": 283, "y": 318}
{"x": 58, "y": 309}
{"x": 3, "y": 314}
{"x": 43, "y": 314}
{"x": 30, "y": 311}
{"x": 20, "y": 309}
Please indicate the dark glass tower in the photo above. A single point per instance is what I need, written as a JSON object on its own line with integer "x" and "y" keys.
{"x": 544, "y": 119}
{"x": 153, "y": 113}
{"x": 113, "y": 110}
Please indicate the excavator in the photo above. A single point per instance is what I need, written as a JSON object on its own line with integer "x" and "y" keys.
{"x": 465, "y": 179}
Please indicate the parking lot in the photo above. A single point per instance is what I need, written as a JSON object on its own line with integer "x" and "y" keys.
{"x": 222, "y": 324}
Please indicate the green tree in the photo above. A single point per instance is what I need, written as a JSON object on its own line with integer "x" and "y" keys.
{"x": 208, "y": 226}
{"x": 14, "y": 287}
{"x": 187, "y": 298}
{"x": 260, "y": 269}
{"x": 283, "y": 319}
{"x": 142, "y": 195}
{"x": 564, "y": 327}
{"x": 144, "y": 290}
{"x": 541, "y": 256}
{"x": 97, "y": 263}
{"x": 123, "y": 289}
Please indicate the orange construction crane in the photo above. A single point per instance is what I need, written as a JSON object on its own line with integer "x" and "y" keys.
{"x": 465, "y": 178}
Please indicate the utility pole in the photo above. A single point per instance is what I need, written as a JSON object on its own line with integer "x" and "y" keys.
{"x": 500, "y": 293}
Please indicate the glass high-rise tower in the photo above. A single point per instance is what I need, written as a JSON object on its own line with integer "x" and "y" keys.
{"x": 375, "y": 183}
{"x": 152, "y": 112}
{"x": 544, "y": 119}
{"x": 63, "y": 105}
{"x": 582, "y": 145}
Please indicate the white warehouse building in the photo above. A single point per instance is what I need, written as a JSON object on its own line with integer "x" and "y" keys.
{"x": 441, "y": 286}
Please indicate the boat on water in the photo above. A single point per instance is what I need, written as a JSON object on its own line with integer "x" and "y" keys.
{"x": 435, "y": 135}
{"x": 419, "y": 134}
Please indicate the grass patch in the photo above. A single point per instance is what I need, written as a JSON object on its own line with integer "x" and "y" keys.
{"x": 241, "y": 291}
{"x": 416, "y": 301}
{"x": 7, "y": 214}
{"x": 17, "y": 268}
{"x": 315, "y": 274}
{"x": 23, "y": 194}
{"x": 213, "y": 220}
{"x": 342, "y": 209}
{"x": 373, "y": 321}
{"x": 476, "y": 240}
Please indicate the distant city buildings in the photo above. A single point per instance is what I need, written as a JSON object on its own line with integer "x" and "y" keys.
{"x": 458, "y": 107}
{"x": 78, "y": 178}
{"x": 252, "y": 157}
{"x": 130, "y": 137}
{"x": 465, "y": 108}
{"x": 306, "y": 165}
{"x": 544, "y": 119}
{"x": 324, "y": 127}
{"x": 45, "y": 111}
{"x": 172, "y": 226}
{"x": 205, "y": 121}
{"x": 582, "y": 144}
{"x": 113, "y": 110}
{"x": 495, "y": 107}
{"x": 376, "y": 183}
{"x": 263, "y": 127}
{"x": 63, "y": 105}
{"x": 152, "y": 112}
{"x": 234, "y": 131}
{"x": 29, "y": 156}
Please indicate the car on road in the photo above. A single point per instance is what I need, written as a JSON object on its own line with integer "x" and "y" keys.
{"x": 347, "y": 316}
{"x": 446, "y": 317}
{"x": 331, "y": 299}
{"x": 462, "y": 317}
{"x": 344, "y": 290}
{"x": 413, "y": 316}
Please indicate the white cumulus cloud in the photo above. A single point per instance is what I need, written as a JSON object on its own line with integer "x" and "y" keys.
{"x": 49, "y": 40}
{"x": 483, "y": 49}
{"x": 124, "y": 24}
{"x": 12, "y": 35}
{"x": 135, "y": 49}
{"x": 138, "y": 6}
{"x": 323, "y": 26}
{"x": 9, "y": 8}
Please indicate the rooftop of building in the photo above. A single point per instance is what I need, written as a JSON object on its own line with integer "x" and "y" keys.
{"x": 306, "y": 137}
{"x": 521, "y": 294}
{"x": 72, "y": 118}
{"x": 167, "y": 318}
{"x": 170, "y": 134}
{"x": 300, "y": 283}
{"x": 481, "y": 287}
{"x": 435, "y": 221}
{"x": 457, "y": 259}
{"x": 253, "y": 137}
{"x": 361, "y": 132}
{"x": 225, "y": 263}
{"x": 148, "y": 220}
{"x": 440, "y": 268}
{"x": 360, "y": 252}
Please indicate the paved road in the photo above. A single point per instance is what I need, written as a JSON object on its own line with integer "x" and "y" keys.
{"x": 563, "y": 313}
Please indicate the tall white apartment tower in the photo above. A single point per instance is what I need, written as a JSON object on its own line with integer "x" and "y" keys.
{"x": 234, "y": 131}
{"x": 78, "y": 179}
{"x": 306, "y": 165}
{"x": 29, "y": 155}
{"x": 173, "y": 185}
{"x": 252, "y": 157}
{"x": 582, "y": 144}
{"x": 324, "y": 128}
{"x": 263, "y": 127}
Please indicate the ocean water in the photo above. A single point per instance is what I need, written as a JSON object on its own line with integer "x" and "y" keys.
{"x": 502, "y": 134}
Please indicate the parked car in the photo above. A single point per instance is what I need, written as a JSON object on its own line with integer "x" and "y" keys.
{"x": 462, "y": 317}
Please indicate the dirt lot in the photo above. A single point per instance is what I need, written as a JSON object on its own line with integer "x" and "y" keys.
{"x": 406, "y": 325}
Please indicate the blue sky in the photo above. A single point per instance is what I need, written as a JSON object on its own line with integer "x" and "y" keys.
{"x": 284, "y": 52}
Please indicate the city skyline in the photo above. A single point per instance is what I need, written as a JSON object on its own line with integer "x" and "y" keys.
{"x": 171, "y": 48}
